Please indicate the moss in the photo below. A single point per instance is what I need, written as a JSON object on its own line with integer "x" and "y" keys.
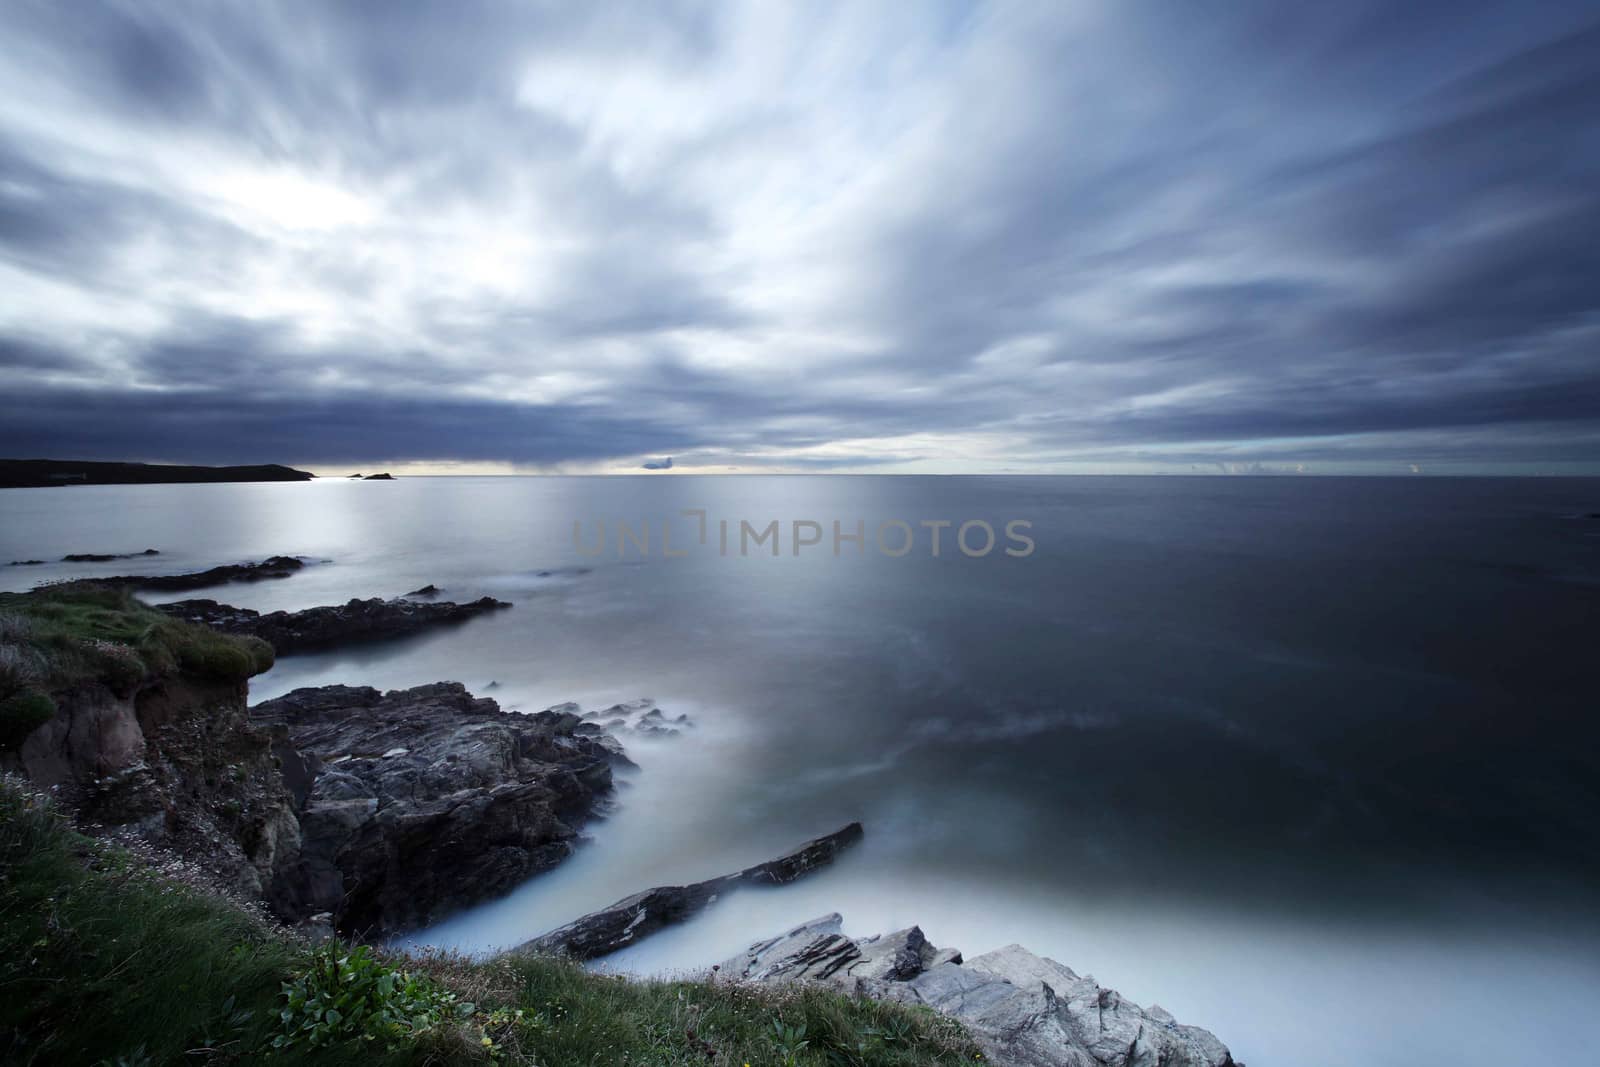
{"x": 21, "y": 714}
{"x": 80, "y": 631}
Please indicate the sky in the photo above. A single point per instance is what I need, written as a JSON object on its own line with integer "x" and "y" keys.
{"x": 1070, "y": 237}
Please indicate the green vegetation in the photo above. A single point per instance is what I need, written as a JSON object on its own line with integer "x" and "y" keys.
{"x": 62, "y": 634}
{"x": 104, "y": 961}
{"x": 349, "y": 994}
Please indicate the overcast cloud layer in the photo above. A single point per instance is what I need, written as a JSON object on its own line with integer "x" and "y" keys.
{"x": 927, "y": 237}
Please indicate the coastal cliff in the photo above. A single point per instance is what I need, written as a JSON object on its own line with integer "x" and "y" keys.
{"x": 342, "y": 809}
{"x": 26, "y": 473}
{"x": 373, "y": 812}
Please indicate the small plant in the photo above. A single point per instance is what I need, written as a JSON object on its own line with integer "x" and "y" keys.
{"x": 791, "y": 1042}
{"x": 347, "y": 993}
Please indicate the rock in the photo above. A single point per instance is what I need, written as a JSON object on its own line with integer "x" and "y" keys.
{"x": 426, "y": 800}
{"x": 428, "y": 590}
{"x": 175, "y": 761}
{"x": 273, "y": 567}
{"x": 1023, "y": 1010}
{"x": 324, "y": 627}
{"x": 105, "y": 557}
{"x": 385, "y": 477}
{"x": 647, "y": 720}
{"x": 634, "y": 918}
{"x": 25, "y": 563}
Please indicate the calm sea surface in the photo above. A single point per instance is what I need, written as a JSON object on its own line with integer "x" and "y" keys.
{"x": 1310, "y": 762}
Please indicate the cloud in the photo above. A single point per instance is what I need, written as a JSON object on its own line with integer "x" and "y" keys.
{"x": 1111, "y": 236}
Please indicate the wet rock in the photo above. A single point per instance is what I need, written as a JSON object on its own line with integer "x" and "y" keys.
{"x": 634, "y": 918}
{"x": 105, "y": 557}
{"x": 427, "y": 799}
{"x": 428, "y": 590}
{"x": 325, "y": 627}
{"x": 273, "y": 567}
{"x": 641, "y": 717}
{"x": 1023, "y": 1010}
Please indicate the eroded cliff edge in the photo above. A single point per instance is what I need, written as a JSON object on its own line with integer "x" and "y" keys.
{"x": 378, "y": 812}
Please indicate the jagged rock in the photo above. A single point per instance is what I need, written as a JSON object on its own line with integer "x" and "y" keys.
{"x": 428, "y": 590}
{"x": 324, "y": 627}
{"x": 273, "y": 567}
{"x": 427, "y": 799}
{"x": 634, "y": 918}
{"x": 1024, "y": 1010}
{"x": 640, "y": 716}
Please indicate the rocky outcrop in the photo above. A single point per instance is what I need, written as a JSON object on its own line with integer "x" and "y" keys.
{"x": 325, "y": 627}
{"x": 634, "y": 918}
{"x": 272, "y": 567}
{"x": 105, "y": 557}
{"x": 175, "y": 762}
{"x": 640, "y": 717}
{"x": 420, "y": 801}
{"x": 1023, "y": 1010}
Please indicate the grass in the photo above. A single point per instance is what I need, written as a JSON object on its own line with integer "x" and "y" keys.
{"x": 105, "y": 959}
{"x": 62, "y": 635}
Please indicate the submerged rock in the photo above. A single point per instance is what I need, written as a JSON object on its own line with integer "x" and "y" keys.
{"x": 325, "y": 627}
{"x": 1023, "y": 1010}
{"x": 423, "y": 800}
{"x": 634, "y": 918}
{"x": 640, "y": 716}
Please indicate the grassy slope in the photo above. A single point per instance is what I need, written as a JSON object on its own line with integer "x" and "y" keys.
{"x": 78, "y": 631}
{"x": 106, "y": 959}
{"x": 61, "y": 635}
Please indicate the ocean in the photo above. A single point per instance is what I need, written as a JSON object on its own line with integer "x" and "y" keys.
{"x": 1310, "y": 762}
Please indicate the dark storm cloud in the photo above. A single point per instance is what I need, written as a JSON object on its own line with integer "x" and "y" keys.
{"x": 960, "y": 237}
{"x": 215, "y": 427}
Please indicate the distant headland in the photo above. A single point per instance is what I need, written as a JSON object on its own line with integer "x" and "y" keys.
{"x": 20, "y": 473}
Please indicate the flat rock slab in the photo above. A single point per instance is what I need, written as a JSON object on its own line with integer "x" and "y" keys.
{"x": 354, "y": 622}
{"x": 272, "y": 567}
{"x": 634, "y": 918}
